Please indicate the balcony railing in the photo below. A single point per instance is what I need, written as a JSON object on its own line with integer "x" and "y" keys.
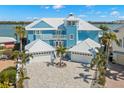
{"x": 51, "y": 37}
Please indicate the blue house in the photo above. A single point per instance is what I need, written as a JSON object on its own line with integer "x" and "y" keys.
{"x": 61, "y": 31}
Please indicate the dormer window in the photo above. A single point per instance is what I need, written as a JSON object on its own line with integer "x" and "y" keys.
{"x": 71, "y": 23}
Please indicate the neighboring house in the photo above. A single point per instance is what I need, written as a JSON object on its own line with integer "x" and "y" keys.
{"x": 61, "y": 31}
{"x": 41, "y": 51}
{"x": 7, "y": 42}
{"x": 84, "y": 51}
{"x": 119, "y": 50}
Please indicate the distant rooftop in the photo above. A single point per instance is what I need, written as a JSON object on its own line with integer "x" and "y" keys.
{"x": 7, "y": 39}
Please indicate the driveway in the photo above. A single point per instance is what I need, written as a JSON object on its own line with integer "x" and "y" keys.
{"x": 115, "y": 76}
{"x": 5, "y": 64}
{"x": 75, "y": 75}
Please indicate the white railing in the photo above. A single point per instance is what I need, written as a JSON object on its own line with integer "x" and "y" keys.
{"x": 51, "y": 37}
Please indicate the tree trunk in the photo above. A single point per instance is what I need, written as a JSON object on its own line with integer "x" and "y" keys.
{"x": 60, "y": 60}
{"x": 21, "y": 44}
{"x": 107, "y": 53}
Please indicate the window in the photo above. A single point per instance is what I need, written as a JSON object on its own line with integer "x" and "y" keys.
{"x": 73, "y": 23}
{"x": 71, "y": 37}
{"x": 69, "y": 23}
{"x": 37, "y": 32}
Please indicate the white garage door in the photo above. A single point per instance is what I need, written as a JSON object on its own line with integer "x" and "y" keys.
{"x": 41, "y": 58}
{"x": 81, "y": 58}
{"x": 119, "y": 58}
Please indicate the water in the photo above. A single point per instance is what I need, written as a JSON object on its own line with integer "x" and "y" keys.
{"x": 111, "y": 26}
{"x": 8, "y": 30}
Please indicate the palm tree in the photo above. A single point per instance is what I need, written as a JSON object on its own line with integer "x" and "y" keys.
{"x": 104, "y": 27}
{"x": 22, "y": 77}
{"x": 107, "y": 39}
{"x": 20, "y": 31}
{"x": 60, "y": 52}
{"x": 101, "y": 59}
{"x": 21, "y": 59}
{"x": 99, "y": 62}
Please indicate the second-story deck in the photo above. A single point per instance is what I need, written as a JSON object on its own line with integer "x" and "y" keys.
{"x": 51, "y": 37}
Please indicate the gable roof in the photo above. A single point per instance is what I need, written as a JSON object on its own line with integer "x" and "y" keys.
{"x": 7, "y": 39}
{"x": 53, "y": 22}
{"x": 83, "y": 25}
{"x": 38, "y": 46}
{"x": 85, "y": 46}
{"x": 56, "y": 22}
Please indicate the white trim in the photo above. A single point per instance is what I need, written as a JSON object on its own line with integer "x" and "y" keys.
{"x": 41, "y": 29}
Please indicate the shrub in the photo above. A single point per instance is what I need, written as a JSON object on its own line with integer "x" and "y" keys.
{"x": 7, "y": 52}
{"x": 8, "y": 75}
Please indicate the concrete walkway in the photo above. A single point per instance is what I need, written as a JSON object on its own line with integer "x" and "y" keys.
{"x": 75, "y": 75}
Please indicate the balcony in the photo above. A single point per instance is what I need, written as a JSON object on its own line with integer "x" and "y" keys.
{"x": 51, "y": 37}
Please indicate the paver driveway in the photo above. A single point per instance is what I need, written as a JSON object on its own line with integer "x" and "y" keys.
{"x": 115, "y": 76}
{"x": 75, "y": 75}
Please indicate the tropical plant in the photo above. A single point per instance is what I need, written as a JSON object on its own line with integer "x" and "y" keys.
{"x": 100, "y": 61}
{"x": 106, "y": 40}
{"x": 21, "y": 59}
{"x": 60, "y": 53}
{"x": 4, "y": 85}
{"x": 20, "y": 31}
{"x": 104, "y": 27}
{"x": 8, "y": 77}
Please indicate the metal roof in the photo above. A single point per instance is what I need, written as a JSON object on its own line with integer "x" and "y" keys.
{"x": 7, "y": 39}
{"x": 85, "y": 46}
{"x": 38, "y": 46}
{"x": 56, "y": 22}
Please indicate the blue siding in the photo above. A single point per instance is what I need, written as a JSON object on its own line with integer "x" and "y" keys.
{"x": 63, "y": 32}
{"x": 82, "y": 35}
{"x": 71, "y": 30}
{"x": 42, "y": 24}
{"x": 30, "y": 36}
{"x": 50, "y": 42}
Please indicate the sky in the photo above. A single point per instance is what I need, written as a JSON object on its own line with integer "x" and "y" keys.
{"x": 85, "y": 12}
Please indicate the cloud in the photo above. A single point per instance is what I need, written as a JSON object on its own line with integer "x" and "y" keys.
{"x": 47, "y": 7}
{"x": 58, "y": 6}
{"x": 32, "y": 18}
{"x": 115, "y": 13}
{"x": 82, "y": 16}
{"x": 121, "y": 17}
{"x": 89, "y": 6}
{"x": 103, "y": 16}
